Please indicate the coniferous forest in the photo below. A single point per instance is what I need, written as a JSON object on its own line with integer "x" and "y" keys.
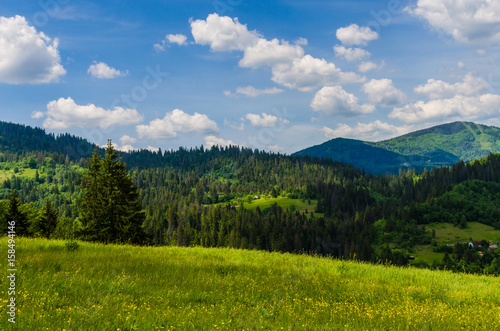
{"x": 55, "y": 187}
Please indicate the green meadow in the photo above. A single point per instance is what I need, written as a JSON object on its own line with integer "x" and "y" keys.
{"x": 111, "y": 287}
{"x": 446, "y": 233}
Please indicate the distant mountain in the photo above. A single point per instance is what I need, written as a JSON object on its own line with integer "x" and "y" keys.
{"x": 429, "y": 148}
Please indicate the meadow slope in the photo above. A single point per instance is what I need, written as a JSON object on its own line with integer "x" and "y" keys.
{"x": 110, "y": 287}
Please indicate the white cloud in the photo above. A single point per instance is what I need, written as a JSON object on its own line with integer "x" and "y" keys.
{"x": 65, "y": 113}
{"x": 27, "y": 56}
{"x": 481, "y": 52}
{"x": 152, "y": 149}
{"x": 301, "y": 41}
{"x": 367, "y": 66}
{"x": 270, "y": 52}
{"x": 276, "y": 148}
{"x": 356, "y": 35}
{"x": 174, "y": 122}
{"x": 382, "y": 92}
{"x": 467, "y": 21}
{"x": 251, "y": 91}
{"x": 240, "y": 127}
{"x": 127, "y": 140}
{"x": 308, "y": 73}
{"x": 290, "y": 67}
{"x": 457, "y": 108}
{"x": 223, "y": 33}
{"x": 265, "y": 120}
{"x": 438, "y": 89}
{"x": 333, "y": 100}
{"x": 37, "y": 115}
{"x": 351, "y": 54}
{"x": 102, "y": 71}
{"x": 374, "y": 131}
{"x": 178, "y": 39}
{"x": 214, "y": 141}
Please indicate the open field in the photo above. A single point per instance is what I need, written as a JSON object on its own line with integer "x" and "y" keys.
{"x": 447, "y": 233}
{"x": 283, "y": 202}
{"x": 109, "y": 287}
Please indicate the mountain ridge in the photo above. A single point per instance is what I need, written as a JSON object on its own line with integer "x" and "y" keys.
{"x": 440, "y": 145}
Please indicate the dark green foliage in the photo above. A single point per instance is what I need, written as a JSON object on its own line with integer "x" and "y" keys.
{"x": 16, "y": 216}
{"x": 48, "y": 219}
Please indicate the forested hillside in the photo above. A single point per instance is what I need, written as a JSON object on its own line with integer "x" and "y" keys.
{"x": 205, "y": 196}
{"x": 442, "y": 145}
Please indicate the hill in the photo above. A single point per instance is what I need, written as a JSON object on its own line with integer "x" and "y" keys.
{"x": 437, "y": 146}
{"x": 110, "y": 287}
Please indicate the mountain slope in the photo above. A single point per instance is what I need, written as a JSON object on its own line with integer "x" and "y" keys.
{"x": 429, "y": 148}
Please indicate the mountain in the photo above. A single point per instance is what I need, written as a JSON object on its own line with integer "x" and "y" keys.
{"x": 428, "y": 148}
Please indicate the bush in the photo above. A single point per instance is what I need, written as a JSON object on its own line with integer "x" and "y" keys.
{"x": 72, "y": 246}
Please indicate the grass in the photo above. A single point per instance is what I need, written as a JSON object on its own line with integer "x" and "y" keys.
{"x": 447, "y": 233}
{"x": 283, "y": 202}
{"x": 108, "y": 287}
{"x": 426, "y": 254}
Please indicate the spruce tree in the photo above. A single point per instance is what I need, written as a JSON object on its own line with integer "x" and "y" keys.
{"x": 90, "y": 204}
{"x": 16, "y": 215}
{"x": 48, "y": 220}
{"x": 110, "y": 210}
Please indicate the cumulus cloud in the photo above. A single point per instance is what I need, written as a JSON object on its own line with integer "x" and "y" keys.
{"x": 251, "y": 91}
{"x": 457, "y": 108}
{"x": 270, "y": 52}
{"x": 308, "y": 73}
{"x": 102, "y": 71}
{"x": 215, "y": 141}
{"x": 351, "y": 54}
{"x": 290, "y": 66}
{"x": 438, "y": 89}
{"x": 174, "y": 122}
{"x": 374, "y": 131}
{"x": 367, "y": 66}
{"x": 301, "y": 41}
{"x": 355, "y": 35}
{"x": 178, "y": 39}
{"x": 265, "y": 120}
{"x": 27, "y": 56}
{"x": 240, "y": 127}
{"x": 466, "y": 21}
{"x": 127, "y": 140}
{"x": 65, "y": 113}
{"x": 382, "y": 92}
{"x": 222, "y": 33}
{"x": 333, "y": 100}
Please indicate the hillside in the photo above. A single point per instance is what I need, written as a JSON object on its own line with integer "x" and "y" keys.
{"x": 437, "y": 146}
{"x": 193, "y": 198}
{"x": 110, "y": 287}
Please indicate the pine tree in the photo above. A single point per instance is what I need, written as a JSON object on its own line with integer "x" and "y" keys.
{"x": 48, "y": 220}
{"x": 110, "y": 210}
{"x": 90, "y": 204}
{"x": 17, "y": 216}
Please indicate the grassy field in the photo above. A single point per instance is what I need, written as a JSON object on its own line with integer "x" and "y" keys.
{"x": 112, "y": 287}
{"x": 447, "y": 233}
{"x": 7, "y": 174}
{"x": 283, "y": 202}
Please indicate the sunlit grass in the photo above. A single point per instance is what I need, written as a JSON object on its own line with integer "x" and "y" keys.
{"x": 108, "y": 287}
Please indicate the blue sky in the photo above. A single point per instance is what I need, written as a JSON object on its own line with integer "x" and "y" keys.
{"x": 273, "y": 75}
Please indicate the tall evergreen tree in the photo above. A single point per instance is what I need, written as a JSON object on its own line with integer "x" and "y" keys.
{"x": 16, "y": 215}
{"x": 91, "y": 202}
{"x": 48, "y": 220}
{"x": 110, "y": 210}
